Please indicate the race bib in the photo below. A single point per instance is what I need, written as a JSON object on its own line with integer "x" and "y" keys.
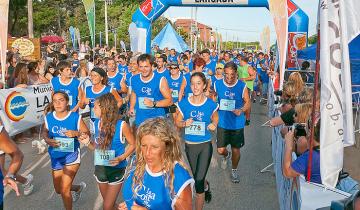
{"x": 196, "y": 128}
{"x": 142, "y": 105}
{"x": 92, "y": 113}
{"x": 66, "y": 144}
{"x": 227, "y": 105}
{"x": 102, "y": 157}
{"x": 175, "y": 94}
{"x": 70, "y": 100}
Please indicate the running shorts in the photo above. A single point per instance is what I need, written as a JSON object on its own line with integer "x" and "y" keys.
{"x": 70, "y": 159}
{"x": 233, "y": 137}
{"x": 109, "y": 175}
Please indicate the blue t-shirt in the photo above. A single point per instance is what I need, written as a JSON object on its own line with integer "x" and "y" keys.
{"x": 57, "y": 127}
{"x": 117, "y": 143}
{"x": 123, "y": 69}
{"x": 214, "y": 79}
{"x": 172, "y": 58}
{"x": 187, "y": 91}
{"x": 115, "y": 81}
{"x": 300, "y": 165}
{"x": 201, "y": 114}
{"x": 214, "y": 58}
{"x": 263, "y": 75}
{"x": 230, "y": 97}
{"x": 154, "y": 194}
{"x": 75, "y": 65}
{"x": 149, "y": 89}
{"x": 174, "y": 85}
{"x": 164, "y": 73}
{"x": 209, "y": 67}
{"x": 92, "y": 96}
{"x": 71, "y": 89}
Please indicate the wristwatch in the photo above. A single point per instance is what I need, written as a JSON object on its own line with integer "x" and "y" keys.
{"x": 154, "y": 104}
{"x": 11, "y": 176}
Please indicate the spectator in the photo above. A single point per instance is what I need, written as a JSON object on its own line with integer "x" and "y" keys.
{"x": 34, "y": 77}
{"x": 50, "y": 72}
{"x": 82, "y": 71}
{"x": 21, "y": 78}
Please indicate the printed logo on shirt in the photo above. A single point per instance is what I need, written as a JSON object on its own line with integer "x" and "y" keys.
{"x": 229, "y": 94}
{"x": 175, "y": 84}
{"x": 146, "y": 90}
{"x": 147, "y": 196}
{"x": 198, "y": 115}
{"x": 58, "y": 130}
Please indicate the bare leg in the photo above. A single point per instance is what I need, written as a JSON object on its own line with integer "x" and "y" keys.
{"x": 199, "y": 201}
{"x": 69, "y": 173}
{"x": 235, "y": 157}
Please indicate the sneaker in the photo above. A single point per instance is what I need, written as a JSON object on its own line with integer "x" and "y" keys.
{"x": 234, "y": 176}
{"x": 225, "y": 160}
{"x": 208, "y": 195}
{"x": 76, "y": 195}
{"x": 254, "y": 100}
{"x": 28, "y": 187}
{"x": 247, "y": 122}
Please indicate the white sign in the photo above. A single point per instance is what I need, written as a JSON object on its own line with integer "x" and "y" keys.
{"x": 23, "y": 108}
{"x": 217, "y": 2}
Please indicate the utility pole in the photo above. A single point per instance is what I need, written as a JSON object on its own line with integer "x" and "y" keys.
{"x": 30, "y": 19}
{"x": 191, "y": 29}
{"x": 106, "y": 25}
{"x": 197, "y": 30}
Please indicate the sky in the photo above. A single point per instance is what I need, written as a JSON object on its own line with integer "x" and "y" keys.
{"x": 244, "y": 23}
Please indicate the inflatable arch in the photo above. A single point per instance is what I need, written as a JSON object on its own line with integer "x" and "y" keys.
{"x": 150, "y": 10}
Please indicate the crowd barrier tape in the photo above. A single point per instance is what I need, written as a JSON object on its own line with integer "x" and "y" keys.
{"x": 296, "y": 193}
{"x": 23, "y": 108}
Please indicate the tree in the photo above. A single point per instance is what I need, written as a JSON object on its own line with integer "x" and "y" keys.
{"x": 312, "y": 39}
{"x": 16, "y": 10}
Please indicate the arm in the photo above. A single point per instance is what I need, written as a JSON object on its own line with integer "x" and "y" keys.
{"x": 184, "y": 201}
{"x": 246, "y": 99}
{"x": 78, "y": 105}
{"x": 132, "y": 103}
{"x": 165, "y": 91}
{"x": 84, "y": 101}
{"x": 252, "y": 74}
{"x": 180, "y": 123}
{"x": 182, "y": 89}
{"x": 276, "y": 121}
{"x": 214, "y": 121}
{"x": 288, "y": 171}
{"x": 117, "y": 97}
{"x": 10, "y": 148}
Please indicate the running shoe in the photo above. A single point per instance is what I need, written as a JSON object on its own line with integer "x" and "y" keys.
{"x": 76, "y": 195}
{"x": 208, "y": 195}
{"x": 225, "y": 160}
{"x": 234, "y": 176}
{"x": 247, "y": 122}
{"x": 28, "y": 186}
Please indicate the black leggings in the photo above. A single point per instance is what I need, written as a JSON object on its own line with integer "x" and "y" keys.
{"x": 199, "y": 157}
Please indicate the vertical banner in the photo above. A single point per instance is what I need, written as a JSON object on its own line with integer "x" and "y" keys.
{"x": 267, "y": 39}
{"x": 279, "y": 11}
{"x": 337, "y": 20}
{"x": 77, "y": 32}
{"x": 90, "y": 13}
{"x": 4, "y": 11}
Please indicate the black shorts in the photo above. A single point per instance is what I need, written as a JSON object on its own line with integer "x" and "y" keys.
{"x": 109, "y": 175}
{"x": 233, "y": 137}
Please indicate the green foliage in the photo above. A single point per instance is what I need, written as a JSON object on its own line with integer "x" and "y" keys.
{"x": 312, "y": 39}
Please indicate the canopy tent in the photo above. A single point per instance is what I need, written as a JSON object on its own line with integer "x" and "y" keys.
{"x": 170, "y": 39}
{"x": 309, "y": 53}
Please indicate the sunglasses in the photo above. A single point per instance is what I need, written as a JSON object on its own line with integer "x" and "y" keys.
{"x": 173, "y": 68}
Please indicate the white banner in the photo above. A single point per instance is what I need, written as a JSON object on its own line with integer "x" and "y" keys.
{"x": 23, "y": 108}
{"x": 216, "y": 2}
{"x": 4, "y": 11}
{"x": 335, "y": 103}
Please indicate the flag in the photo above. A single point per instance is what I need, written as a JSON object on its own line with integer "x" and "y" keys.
{"x": 4, "y": 11}
{"x": 279, "y": 11}
{"x": 72, "y": 31}
{"x": 90, "y": 13}
{"x": 339, "y": 23}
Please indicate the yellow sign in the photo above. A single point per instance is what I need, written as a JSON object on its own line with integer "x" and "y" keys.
{"x": 29, "y": 49}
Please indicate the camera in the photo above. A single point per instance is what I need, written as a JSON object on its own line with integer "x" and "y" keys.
{"x": 299, "y": 129}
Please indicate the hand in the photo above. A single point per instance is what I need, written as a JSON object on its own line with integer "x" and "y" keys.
{"x": 237, "y": 112}
{"x": 116, "y": 160}
{"x": 188, "y": 122}
{"x": 84, "y": 138}
{"x": 137, "y": 207}
{"x": 122, "y": 206}
{"x": 148, "y": 102}
{"x": 211, "y": 127}
{"x": 12, "y": 184}
{"x": 52, "y": 142}
{"x": 131, "y": 112}
{"x": 87, "y": 101}
{"x": 71, "y": 134}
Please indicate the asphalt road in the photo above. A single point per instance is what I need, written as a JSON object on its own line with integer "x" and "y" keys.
{"x": 256, "y": 191}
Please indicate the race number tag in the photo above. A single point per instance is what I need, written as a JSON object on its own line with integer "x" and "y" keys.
{"x": 175, "y": 93}
{"x": 141, "y": 103}
{"x": 227, "y": 105}
{"x": 66, "y": 144}
{"x": 92, "y": 113}
{"x": 70, "y": 100}
{"x": 102, "y": 157}
{"x": 196, "y": 128}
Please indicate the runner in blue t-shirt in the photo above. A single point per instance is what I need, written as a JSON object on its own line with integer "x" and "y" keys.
{"x": 173, "y": 57}
{"x": 161, "y": 65}
{"x": 150, "y": 92}
{"x": 159, "y": 180}
{"x": 75, "y": 62}
{"x": 67, "y": 83}
{"x": 114, "y": 77}
{"x": 198, "y": 116}
{"x": 113, "y": 142}
{"x": 233, "y": 97}
{"x": 61, "y": 130}
{"x": 209, "y": 67}
{"x": 214, "y": 56}
{"x": 122, "y": 66}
